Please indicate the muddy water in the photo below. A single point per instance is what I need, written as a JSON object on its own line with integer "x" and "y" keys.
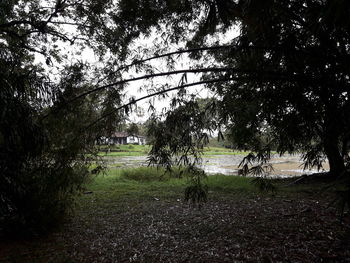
{"x": 284, "y": 166}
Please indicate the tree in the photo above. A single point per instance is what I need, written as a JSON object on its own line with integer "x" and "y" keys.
{"x": 45, "y": 147}
{"x": 287, "y": 72}
{"x": 133, "y": 129}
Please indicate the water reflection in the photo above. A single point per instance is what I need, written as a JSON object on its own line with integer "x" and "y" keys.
{"x": 284, "y": 166}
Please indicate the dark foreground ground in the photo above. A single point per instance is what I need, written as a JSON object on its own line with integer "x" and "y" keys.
{"x": 144, "y": 226}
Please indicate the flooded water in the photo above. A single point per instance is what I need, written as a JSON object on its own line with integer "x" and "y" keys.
{"x": 284, "y": 166}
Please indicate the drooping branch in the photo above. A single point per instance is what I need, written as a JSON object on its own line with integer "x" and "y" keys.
{"x": 193, "y": 50}
{"x": 177, "y": 52}
{"x": 148, "y": 76}
{"x": 182, "y": 71}
{"x": 169, "y": 54}
{"x": 134, "y": 101}
{"x": 279, "y": 75}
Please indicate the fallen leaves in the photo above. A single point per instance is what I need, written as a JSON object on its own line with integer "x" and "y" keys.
{"x": 221, "y": 231}
{"x": 226, "y": 229}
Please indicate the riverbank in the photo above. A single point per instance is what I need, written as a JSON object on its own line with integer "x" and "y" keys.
{"x": 283, "y": 166}
{"x": 124, "y": 218}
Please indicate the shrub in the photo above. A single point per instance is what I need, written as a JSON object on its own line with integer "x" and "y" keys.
{"x": 145, "y": 174}
{"x": 37, "y": 200}
{"x": 42, "y": 164}
{"x": 154, "y": 173}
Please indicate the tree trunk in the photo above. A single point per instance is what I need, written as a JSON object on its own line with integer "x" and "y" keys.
{"x": 336, "y": 162}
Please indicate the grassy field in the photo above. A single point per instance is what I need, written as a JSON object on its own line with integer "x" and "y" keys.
{"x": 139, "y": 215}
{"x": 141, "y": 150}
{"x": 222, "y": 151}
{"x": 125, "y": 150}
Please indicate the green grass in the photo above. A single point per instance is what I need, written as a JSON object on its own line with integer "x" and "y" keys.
{"x": 142, "y": 150}
{"x": 223, "y": 183}
{"x": 124, "y": 150}
{"x": 127, "y": 148}
{"x": 112, "y": 154}
{"x": 222, "y": 151}
{"x": 135, "y": 184}
{"x": 217, "y": 149}
{"x": 149, "y": 182}
{"x": 147, "y": 174}
{"x": 209, "y": 152}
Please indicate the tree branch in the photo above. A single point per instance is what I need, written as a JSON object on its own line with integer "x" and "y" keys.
{"x": 156, "y": 94}
{"x": 151, "y": 76}
{"x": 200, "y": 70}
{"x": 182, "y": 51}
{"x": 177, "y": 52}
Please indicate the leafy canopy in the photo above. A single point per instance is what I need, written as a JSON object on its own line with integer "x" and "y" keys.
{"x": 286, "y": 74}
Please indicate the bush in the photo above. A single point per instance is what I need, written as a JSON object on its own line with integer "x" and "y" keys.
{"x": 38, "y": 194}
{"x": 37, "y": 203}
{"x": 42, "y": 167}
{"x": 145, "y": 174}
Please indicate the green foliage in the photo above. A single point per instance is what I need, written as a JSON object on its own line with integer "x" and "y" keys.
{"x": 122, "y": 153}
{"x": 47, "y": 134}
{"x": 197, "y": 192}
{"x": 43, "y": 200}
{"x": 43, "y": 167}
{"x": 224, "y": 183}
{"x": 218, "y": 142}
{"x": 133, "y": 129}
{"x": 145, "y": 174}
{"x": 183, "y": 132}
{"x": 264, "y": 185}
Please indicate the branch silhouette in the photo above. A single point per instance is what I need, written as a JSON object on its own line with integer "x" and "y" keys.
{"x": 169, "y": 54}
{"x": 134, "y": 101}
{"x": 148, "y": 76}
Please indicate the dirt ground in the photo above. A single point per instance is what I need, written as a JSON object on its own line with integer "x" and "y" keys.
{"x": 229, "y": 228}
